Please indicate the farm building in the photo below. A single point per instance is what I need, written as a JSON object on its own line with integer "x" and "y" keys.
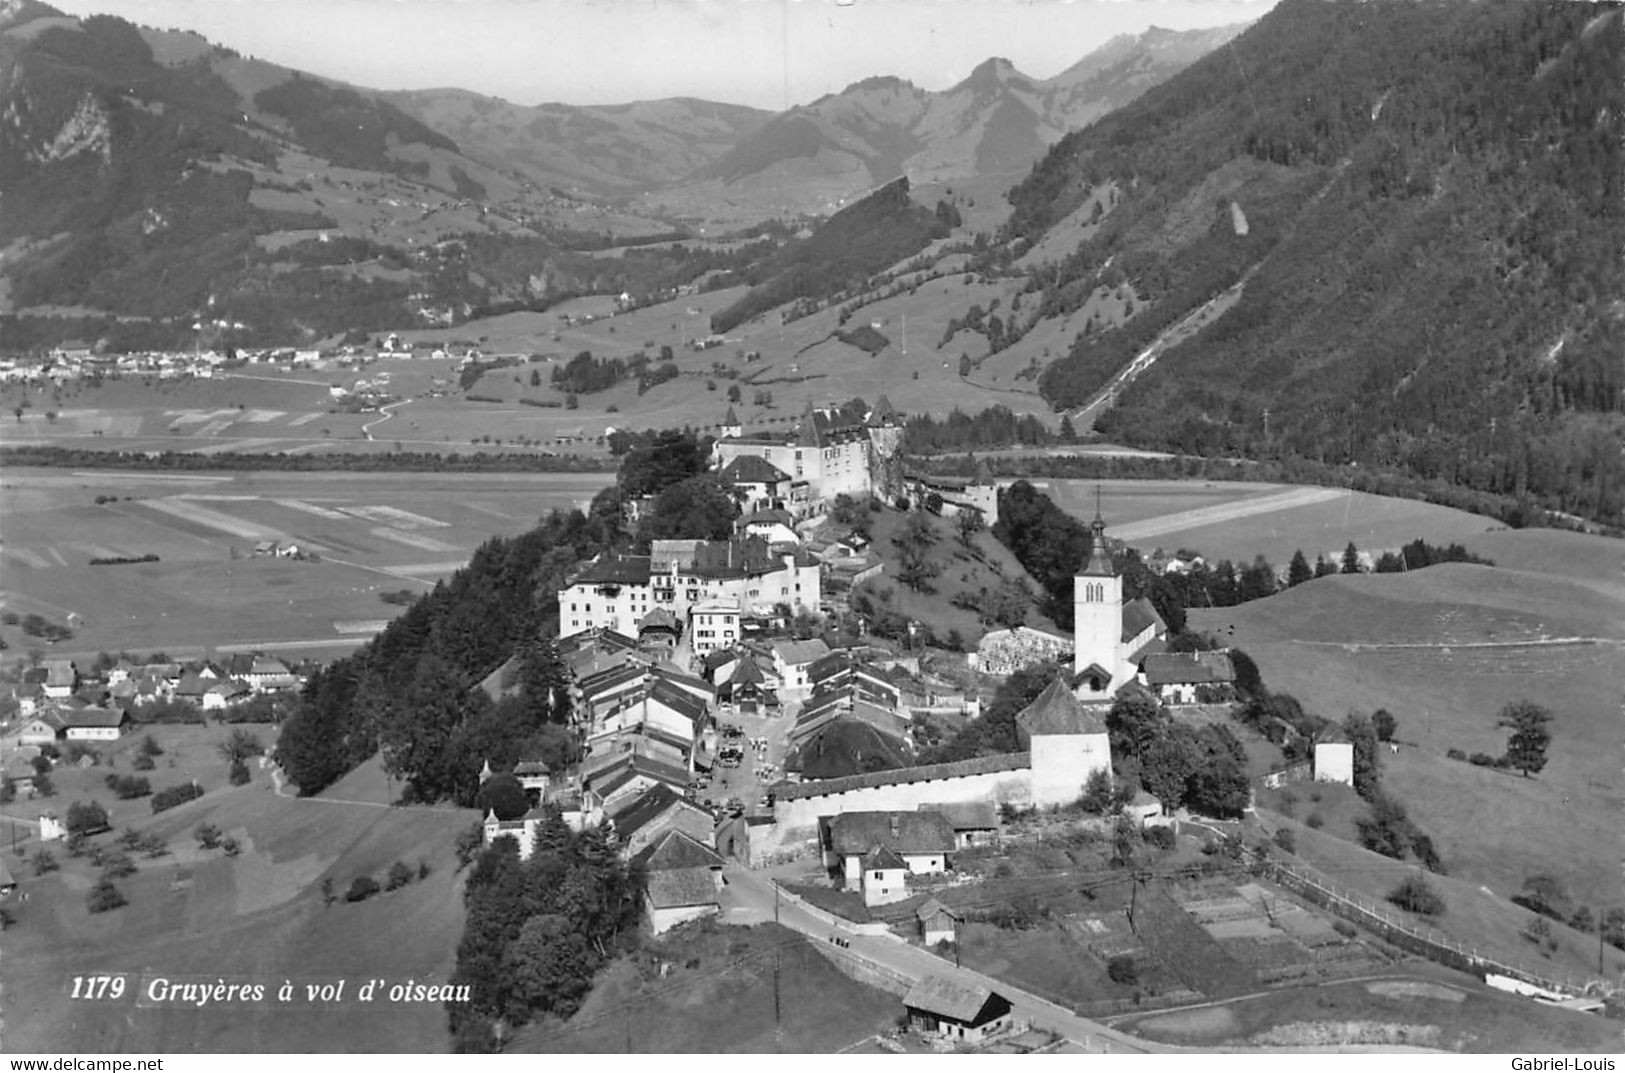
{"x": 61, "y": 678}
{"x": 968, "y": 1012}
{"x": 1189, "y": 677}
{"x": 683, "y": 879}
{"x": 94, "y": 724}
{"x": 938, "y": 923}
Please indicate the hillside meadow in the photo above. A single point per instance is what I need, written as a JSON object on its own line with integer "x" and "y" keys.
{"x": 197, "y": 916}
{"x": 1445, "y": 649}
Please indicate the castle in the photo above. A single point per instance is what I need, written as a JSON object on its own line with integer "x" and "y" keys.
{"x": 827, "y": 455}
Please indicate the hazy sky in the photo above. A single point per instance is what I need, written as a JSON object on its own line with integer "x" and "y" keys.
{"x": 762, "y": 52}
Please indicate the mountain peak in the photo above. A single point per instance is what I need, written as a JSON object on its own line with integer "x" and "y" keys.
{"x": 991, "y": 75}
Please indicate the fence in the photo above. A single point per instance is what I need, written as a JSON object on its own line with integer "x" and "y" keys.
{"x": 1434, "y": 946}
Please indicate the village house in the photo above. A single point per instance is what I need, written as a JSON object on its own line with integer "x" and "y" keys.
{"x": 41, "y": 729}
{"x": 793, "y": 662}
{"x": 905, "y": 843}
{"x": 968, "y": 1013}
{"x": 61, "y": 679}
{"x": 683, "y": 880}
{"x": 93, "y": 724}
{"x": 1189, "y": 677}
{"x": 648, "y": 818}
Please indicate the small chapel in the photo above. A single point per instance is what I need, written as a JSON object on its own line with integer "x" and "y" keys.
{"x": 1110, "y": 638}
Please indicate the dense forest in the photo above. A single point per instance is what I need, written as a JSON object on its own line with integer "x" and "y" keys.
{"x": 884, "y": 228}
{"x": 410, "y": 693}
{"x": 539, "y": 930}
{"x": 1422, "y": 203}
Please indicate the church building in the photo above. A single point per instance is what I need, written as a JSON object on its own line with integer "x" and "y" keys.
{"x": 1109, "y": 637}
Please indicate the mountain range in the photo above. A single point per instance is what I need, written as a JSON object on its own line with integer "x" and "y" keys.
{"x": 1383, "y": 233}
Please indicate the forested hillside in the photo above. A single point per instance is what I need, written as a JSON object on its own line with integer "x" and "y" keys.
{"x": 1422, "y": 205}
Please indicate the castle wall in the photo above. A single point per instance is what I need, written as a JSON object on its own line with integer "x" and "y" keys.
{"x": 795, "y": 820}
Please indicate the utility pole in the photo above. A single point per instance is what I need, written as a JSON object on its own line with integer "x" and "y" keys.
{"x": 1266, "y": 424}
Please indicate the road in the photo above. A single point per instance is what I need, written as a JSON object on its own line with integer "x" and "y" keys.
{"x": 750, "y": 898}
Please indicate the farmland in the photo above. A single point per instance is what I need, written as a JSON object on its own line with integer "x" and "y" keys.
{"x": 1444, "y": 650}
{"x": 1418, "y": 1012}
{"x": 1239, "y": 520}
{"x": 368, "y": 532}
{"x": 256, "y": 918}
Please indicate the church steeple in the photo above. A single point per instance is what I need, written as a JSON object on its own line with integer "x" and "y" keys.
{"x": 1100, "y": 559}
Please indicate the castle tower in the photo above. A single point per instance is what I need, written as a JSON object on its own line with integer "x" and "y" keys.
{"x": 885, "y": 450}
{"x": 1097, "y": 618}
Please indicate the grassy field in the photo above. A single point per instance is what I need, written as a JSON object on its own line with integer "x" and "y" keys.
{"x": 985, "y": 565}
{"x": 1449, "y": 1016}
{"x": 196, "y": 916}
{"x": 372, "y": 532}
{"x": 1444, "y": 649}
{"x": 705, "y": 988}
{"x": 1240, "y": 520}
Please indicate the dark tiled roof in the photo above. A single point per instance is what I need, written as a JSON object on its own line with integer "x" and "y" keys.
{"x": 658, "y": 619}
{"x": 92, "y": 717}
{"x": 615, "y": 570}
{"x": 678, "y": 700}
{"x": 931, "y": 908}
{"x": 981, "y": 765}
{"x": 1057, "y": 711}
{"x": 752, "y": 469}
{"x": 677, "y": 849}
{"x": 678, "y": 888}
{"x": 905, "y": 832}
{"x": 1137, "y": 615}
{"x": 644, "y": 809}
{"x": 949, "y": 998}
{"x": 1188, "y": 668}
{"x": 882, "y": 857}
{"x": 967, "y": 815}
{"x": 846, "y": 746}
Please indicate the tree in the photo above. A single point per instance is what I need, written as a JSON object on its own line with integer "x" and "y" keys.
{"x": 696, "y": 508}
{"x": 1367, "y": 766}
{"x": 1351, "y": 560}
{"x": 550, "y": 965}
{"x": 1415, "y": 895}
{"x": 1323, "y": 568}
{"x": 1098, "y": 797}
{"x": 503, "y": 795}
{"x": 87, "y": 819}
{"x": 104, "y": 896}
{"x": 1526, "y": 746}
{"x": 968, "y": 523}
{"x": 45, "y": 862}
{"x": 1299, "y": 570}
{"x": 207, "y": 835}
{"x": 400, "y": 874}
{"x": 361, "y": 888}
{"x": 1385, "y": 724}
{"x": 916, "y": 567}
{"x": 1068, "y": 433}
{"x": 734, "y": 393}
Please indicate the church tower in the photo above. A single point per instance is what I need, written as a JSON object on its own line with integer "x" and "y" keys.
{"x": 731, "y": 427}
{"x": 1097, "y": 618}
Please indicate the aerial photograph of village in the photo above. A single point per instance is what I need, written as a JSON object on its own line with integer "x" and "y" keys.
{"x": 863, "y": 527}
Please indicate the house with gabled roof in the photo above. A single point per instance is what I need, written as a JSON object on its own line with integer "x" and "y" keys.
{"x": 93, "y": 724}
{"x": 642, "y": 820}
{"x": 793, "y": 661}
{"x": 42, "y": 729}
{"x": 61, "y": 678}
{"x": 951, "y": 1009}
{"x": 938, "y": 923}
{"x": 683, "y": 877}
{"x": 922, "y": 842}
{"x": 1186, "y": 677}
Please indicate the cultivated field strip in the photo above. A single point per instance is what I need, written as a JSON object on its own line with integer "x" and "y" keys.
{"x": 1226, "y": 512}
{"x": 311, "y": 508}
{"x": 413, "y": 540}
{"x": 191, "y": 511}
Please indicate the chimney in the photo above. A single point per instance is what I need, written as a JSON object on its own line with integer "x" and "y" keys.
{"x": 896, "y": 825}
